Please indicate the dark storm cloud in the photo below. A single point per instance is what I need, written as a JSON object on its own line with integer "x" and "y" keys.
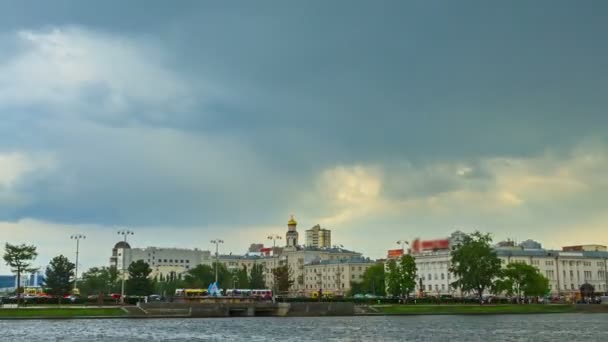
{"x": 268, "y": 94}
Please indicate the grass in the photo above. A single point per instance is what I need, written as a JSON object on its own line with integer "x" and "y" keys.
{"x": 60, "y": 312}
{"x": 456, "y": 309}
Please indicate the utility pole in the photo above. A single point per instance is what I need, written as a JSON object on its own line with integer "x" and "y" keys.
{"x": 125, "y": 233}
{"x": 274, "y": 238}
{"x": 76, "y": 237}
{"x": 217, "y": 255}
{"x": 403, "y": 243}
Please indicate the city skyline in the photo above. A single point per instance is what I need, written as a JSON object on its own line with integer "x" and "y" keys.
{"x": 381, "y": 122}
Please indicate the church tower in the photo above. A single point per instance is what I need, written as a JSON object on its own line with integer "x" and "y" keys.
{"x": 292, "y": 234}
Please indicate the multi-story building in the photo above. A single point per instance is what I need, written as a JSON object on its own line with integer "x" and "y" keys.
{"x": 165, "y": 262}
{"x": 565, "y": 269}
{"x": 334, "y": 276}
{"x": 318, "y": 237}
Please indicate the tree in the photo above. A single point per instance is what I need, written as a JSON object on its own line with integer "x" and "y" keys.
{"x": 407, "y": 270}
{"x": 393, "y": 278}
{"x": 282, "y": 278}
{"x": 19, "y": 258}
{"x": 536, "y": 285}
{"x": 99, "y": 280}
{"x": 58, "y": 276}
{"x": 475, "y": 264}
{"x": 256, "y": 278}
{"x": 138, "y": 283}
{"x": 373, "y": 282}
{"x": 241, "y": 277}
{"x": 199, "y": 277}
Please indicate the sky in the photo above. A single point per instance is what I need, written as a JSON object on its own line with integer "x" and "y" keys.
{"x": 380, "y": 120}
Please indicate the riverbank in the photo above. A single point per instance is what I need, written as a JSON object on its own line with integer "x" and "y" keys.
{"x": 166, "y": 310}
{"x": 63, "y": 312}
{"x": 506, "y": 309}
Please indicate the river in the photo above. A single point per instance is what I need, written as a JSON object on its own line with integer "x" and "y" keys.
{"x": 547, "y": 327}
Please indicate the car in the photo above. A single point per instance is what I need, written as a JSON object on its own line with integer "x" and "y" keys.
{"x": 154, "y": 298}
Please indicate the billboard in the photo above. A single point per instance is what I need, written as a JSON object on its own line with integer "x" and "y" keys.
{"x": 430, "y": 245}
{"x": 395, "y": 253}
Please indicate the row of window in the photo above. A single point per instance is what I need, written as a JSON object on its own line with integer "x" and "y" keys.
{"x": 441, "y": 276}
{"x": 334, "y": 269}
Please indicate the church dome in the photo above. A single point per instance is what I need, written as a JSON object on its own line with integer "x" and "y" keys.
{"x": 292, "y": 221}
{"x": 122, "y": 244}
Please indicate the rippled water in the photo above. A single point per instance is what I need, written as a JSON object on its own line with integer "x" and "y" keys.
{"x": 552, "y": 327}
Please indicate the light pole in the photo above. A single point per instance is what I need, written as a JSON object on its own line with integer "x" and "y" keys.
{"x": 403, "y": 243}
{"x": 274, "y": 238}
{"x": 217, "y": 255}
{"x": 125, "y": 233}
{"x": 77, "y": 237}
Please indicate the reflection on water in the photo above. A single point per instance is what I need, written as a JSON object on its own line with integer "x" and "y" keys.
{"x": 550, "y": 327}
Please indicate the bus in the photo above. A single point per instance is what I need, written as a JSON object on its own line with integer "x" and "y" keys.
{"x": 191, "y": 292}
{"x": 256, "y": 293}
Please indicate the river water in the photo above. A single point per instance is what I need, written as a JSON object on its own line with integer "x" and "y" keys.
{"x": 548, "y": 327}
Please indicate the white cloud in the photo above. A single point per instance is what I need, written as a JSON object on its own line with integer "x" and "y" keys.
{"x": 82, "y": 72}
{"x": 15, "y": 168}
{"x": 547, "y": 197}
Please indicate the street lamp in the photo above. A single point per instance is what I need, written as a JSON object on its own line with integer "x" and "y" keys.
{"x": 274, "y": 238}
{"x": 77, "y": 237}
{"x": 217, "y": 255}
{"x": 403, "y": 243}
{"x": 125, "y": 233}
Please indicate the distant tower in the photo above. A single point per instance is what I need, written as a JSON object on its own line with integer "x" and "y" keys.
{"x": 292, "y": 234}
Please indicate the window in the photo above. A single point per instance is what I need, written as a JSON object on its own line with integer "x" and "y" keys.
{"x": 549, "y": 262}
{"x": 550, "y": 274}
{"x": 430, "y": 277}
{"x": 571, "y": 274}
{"x": 572, "y": 286}
{"x": 187, "y": 261}
{"x": 430, "y": 287}
{"x": 443, "y": 287}
{"x": 535, "y": 262}
{"x": 436, "y": 287}
{"x": 442, "y": 276}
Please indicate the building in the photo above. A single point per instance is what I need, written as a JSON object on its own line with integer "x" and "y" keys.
{"x": 318, "y": 237}
{"x": 334, "y": 276}
{"x": 585, "y": 248}
{"x": 166, "y": 263}
{"x": 567, "y": 270}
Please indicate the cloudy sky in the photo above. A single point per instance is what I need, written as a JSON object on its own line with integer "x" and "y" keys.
{"x": 381, "y": 120}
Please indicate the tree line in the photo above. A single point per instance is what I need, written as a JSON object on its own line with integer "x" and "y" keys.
{"x": 59, "y": 276}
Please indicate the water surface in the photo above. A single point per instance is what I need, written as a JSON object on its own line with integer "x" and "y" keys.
{"x": 548, "y": 327}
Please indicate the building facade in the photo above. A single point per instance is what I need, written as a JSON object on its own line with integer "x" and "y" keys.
{"x": 565, "y": 269}
{"x": 334, "y": 276}
{"x": 318, "y": 237}
{"x": 165, "y": 263}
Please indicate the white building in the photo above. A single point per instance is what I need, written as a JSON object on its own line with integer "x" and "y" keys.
{"x": 566, "y": 270}
{"x": 165, "y": 262}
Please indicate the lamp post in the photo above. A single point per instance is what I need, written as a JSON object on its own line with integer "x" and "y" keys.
{"x": 217, "y": 255}
{"x": 77, "y": 237}
{"x": 403, "y": 243}
{"x": 274, "y": 238}
{"x": 124, "y": 233}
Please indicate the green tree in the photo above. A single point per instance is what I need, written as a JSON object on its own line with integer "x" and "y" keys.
{"x": 242, "y": 278}
{"x": 58, "y": 277}
{"x": 475, "y": 264}
{"x": 199, "y": 277}
{"x": 99, "y": 281}
{"x": 373, "y": 282}
{"x": 393, "y": 278}
{"x": 407, "y": 276}
{"x": 19, "y": 258}
{"x": 139, "y": 283}
{"x": 282, "y": 276}
{"x": 521, "y": 279}
{"x": 256, "y": 278}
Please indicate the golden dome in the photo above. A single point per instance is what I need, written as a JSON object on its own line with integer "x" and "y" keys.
{"x": 292, "y": 221}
